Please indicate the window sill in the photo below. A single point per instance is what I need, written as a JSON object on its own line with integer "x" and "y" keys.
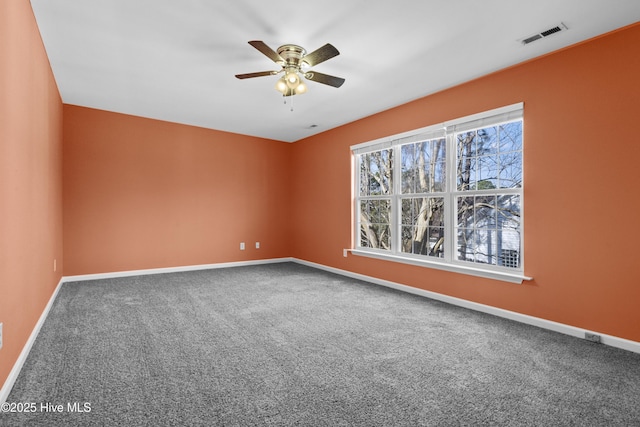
{"x": 517, "y": 278}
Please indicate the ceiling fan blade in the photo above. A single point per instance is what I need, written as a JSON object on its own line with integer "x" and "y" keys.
{"x": 324, "y": 79}
{"x": 267, "y": 51}
{"x": 321, "y": 54}
{"x": 258, "y": 74}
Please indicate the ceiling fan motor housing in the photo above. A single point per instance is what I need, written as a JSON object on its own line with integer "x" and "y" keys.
{"x": 292, "y": 55}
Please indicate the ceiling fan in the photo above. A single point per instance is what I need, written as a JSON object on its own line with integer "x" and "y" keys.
{"x": 293, "y": 61}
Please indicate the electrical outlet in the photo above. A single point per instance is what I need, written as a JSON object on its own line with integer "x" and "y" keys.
{"x": 592, "y": 337}
{"x": 0, "y": 335}
{"x": 242, "y": 246}
{"x": 344, "y": 253}
{"x": 257, "y": 245}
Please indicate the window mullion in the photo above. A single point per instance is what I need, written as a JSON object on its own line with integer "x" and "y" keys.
{"x": 356, "y": 208}
{"x": 449, "y": 206}
{"x": 396, "y": 202}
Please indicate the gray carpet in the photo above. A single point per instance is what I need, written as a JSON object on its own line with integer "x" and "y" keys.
{"x": 285, "y": 344}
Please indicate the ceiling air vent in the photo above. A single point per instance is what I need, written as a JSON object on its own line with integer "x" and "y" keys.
{"x": 545, "y": 33}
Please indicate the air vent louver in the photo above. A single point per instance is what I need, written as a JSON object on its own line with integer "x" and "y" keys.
{"x": 531, "y": 39}
{"x": 545, "y": 33}
{"x": 551, "y": 31}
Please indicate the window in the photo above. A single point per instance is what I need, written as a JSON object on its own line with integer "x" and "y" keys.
{"x": 447, "y": 196}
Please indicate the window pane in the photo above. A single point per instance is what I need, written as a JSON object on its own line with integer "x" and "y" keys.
{"x": 424, "y": 167}
{"x": 490, "y": 158}
{"x": 487, "y": 141}
{"x": 465, "y": 244}
{"x": 486, "y": 247}
{"x": 409, "y": 168}
{"x": 510, "y": 136}
{"x": 485, "y": 211}
{"x": 509, "y": 258}
{"x": 509, "y": 211}
{"x": 466, "y": 160}
{"x": 509, "y": 253}
{"x": 365, "y": 211}
{"x": 509, "y": 231}
{"x": 486, "y": 174}
{"x": 478, "y": 245}
{"x": 409, "y": 211}
{"x": 384, "y": 210}
{"x": 423, "y": 226}
{"x": 376, "y": 173}
{"x": 366, "y": 224}
{"x": 467, "y": 144}
{"x": 384, "y": 236}
{"x": 374, "y": 224}
{"x": 467, "y": 173}
{"x": 465, "y": 212}
{"x": 510, "y": 170}
{"x": 488, "y": 229}
{"x": 365, "y": 174}
{"x": 437, "y": 165}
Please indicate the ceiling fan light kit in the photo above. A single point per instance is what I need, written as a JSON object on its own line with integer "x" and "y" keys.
{"x": 293, "y": 60}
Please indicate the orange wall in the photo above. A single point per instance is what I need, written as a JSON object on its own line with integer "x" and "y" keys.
{"x": 141, "y": 193}
{"x": 30, "y": 179}
{"x": 582, "y": 155}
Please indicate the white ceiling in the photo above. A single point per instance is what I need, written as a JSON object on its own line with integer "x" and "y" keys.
{"x": 175, "y": 60}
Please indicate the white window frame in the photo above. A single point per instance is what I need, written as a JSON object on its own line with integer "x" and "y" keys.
{"x": 450, "y": 262}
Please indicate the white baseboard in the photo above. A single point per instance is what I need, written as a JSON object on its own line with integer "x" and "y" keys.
{"x": 605, "y": 339}
{"x": 17, "y": 367}
{"x": 129, "y": 273}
